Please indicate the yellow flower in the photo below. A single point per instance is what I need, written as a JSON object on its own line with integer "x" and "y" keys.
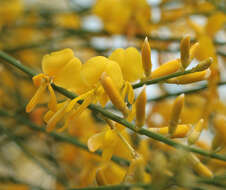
{"x": 91, "y": 73}
{"x": 130, "y": 62}
{"x": 120, "y": 16}
{"x": 67, "y": 71}
{"x": 58, "y": 67}
{"x": 106, "y": 140}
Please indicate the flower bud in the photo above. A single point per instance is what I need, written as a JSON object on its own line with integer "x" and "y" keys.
{"x": 166, "y": 69}
{"x": 175, "y": 114}
{"x": 194, "y": 136}
{"x": 180, "y": 132}
{"x": 184, "y": 48}
{"x": 199, "y": 167}
{"x": 113, "y": 93}
{"x": 190, "y": 78}
{"x": 140, "y": 108}
{"x": 146, "y": 57}
{"x": 203, "y": 65}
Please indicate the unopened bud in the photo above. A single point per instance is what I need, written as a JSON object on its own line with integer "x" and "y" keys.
{"x": 180, "y": 132}
{"x": 175, "y": 114}
{"x": 194, "y": 136}
{"x": 203, "y": 65}
{"x": 190, "y": 78}
{"x": 113, "y": 93}
{"x": 146, "y": 57}
{"x": 199, "y": 167}
{"x": 184, "y": 48}
{"x": 140, "y": 108}
{"x": 166, "y": 69}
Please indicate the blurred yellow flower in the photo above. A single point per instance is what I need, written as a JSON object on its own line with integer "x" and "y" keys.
{"x": 121, "y": 16}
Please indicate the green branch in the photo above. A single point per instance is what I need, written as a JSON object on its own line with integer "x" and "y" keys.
{"x": 161, "y": 79}
{"x": 119, "y": 119}
{"x": 116, "y": 187}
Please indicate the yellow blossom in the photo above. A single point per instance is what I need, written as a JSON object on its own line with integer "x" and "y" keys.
{"x": 58, "y": 67}
{"x": 106, "y": 140}
{"x": 130, "y": 61}
{"x": 121, "y": 16}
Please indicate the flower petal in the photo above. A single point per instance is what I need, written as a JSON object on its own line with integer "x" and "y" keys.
{"x": 96, "y": 141}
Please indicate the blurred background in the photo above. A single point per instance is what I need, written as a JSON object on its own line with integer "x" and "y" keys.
{"x": 29, "y": 29}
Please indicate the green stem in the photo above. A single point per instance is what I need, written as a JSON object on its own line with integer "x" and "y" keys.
{"x": 119, "y": 119}
{"x": 115, "y": 187}
{"x": 161, "y": 79}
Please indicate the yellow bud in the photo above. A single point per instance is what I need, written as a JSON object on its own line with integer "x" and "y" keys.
{"x": 175, "y": 113}
{"x": 146, "y": 57}
{"x": 180, "y": 132}
{"x": 184, "y": 48}
{"x": 113, "y": 93}
{"x": 193, "y": 50}
{"x": 140, "y": 108}
{"x": 203, "y": 65}
{"x": 194, "y": 136}
{"x": 166, "y": 69}
{"x": 100, "y": 178}
{"x": 199, "y": 167}
{"x": 190, "y": 78}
